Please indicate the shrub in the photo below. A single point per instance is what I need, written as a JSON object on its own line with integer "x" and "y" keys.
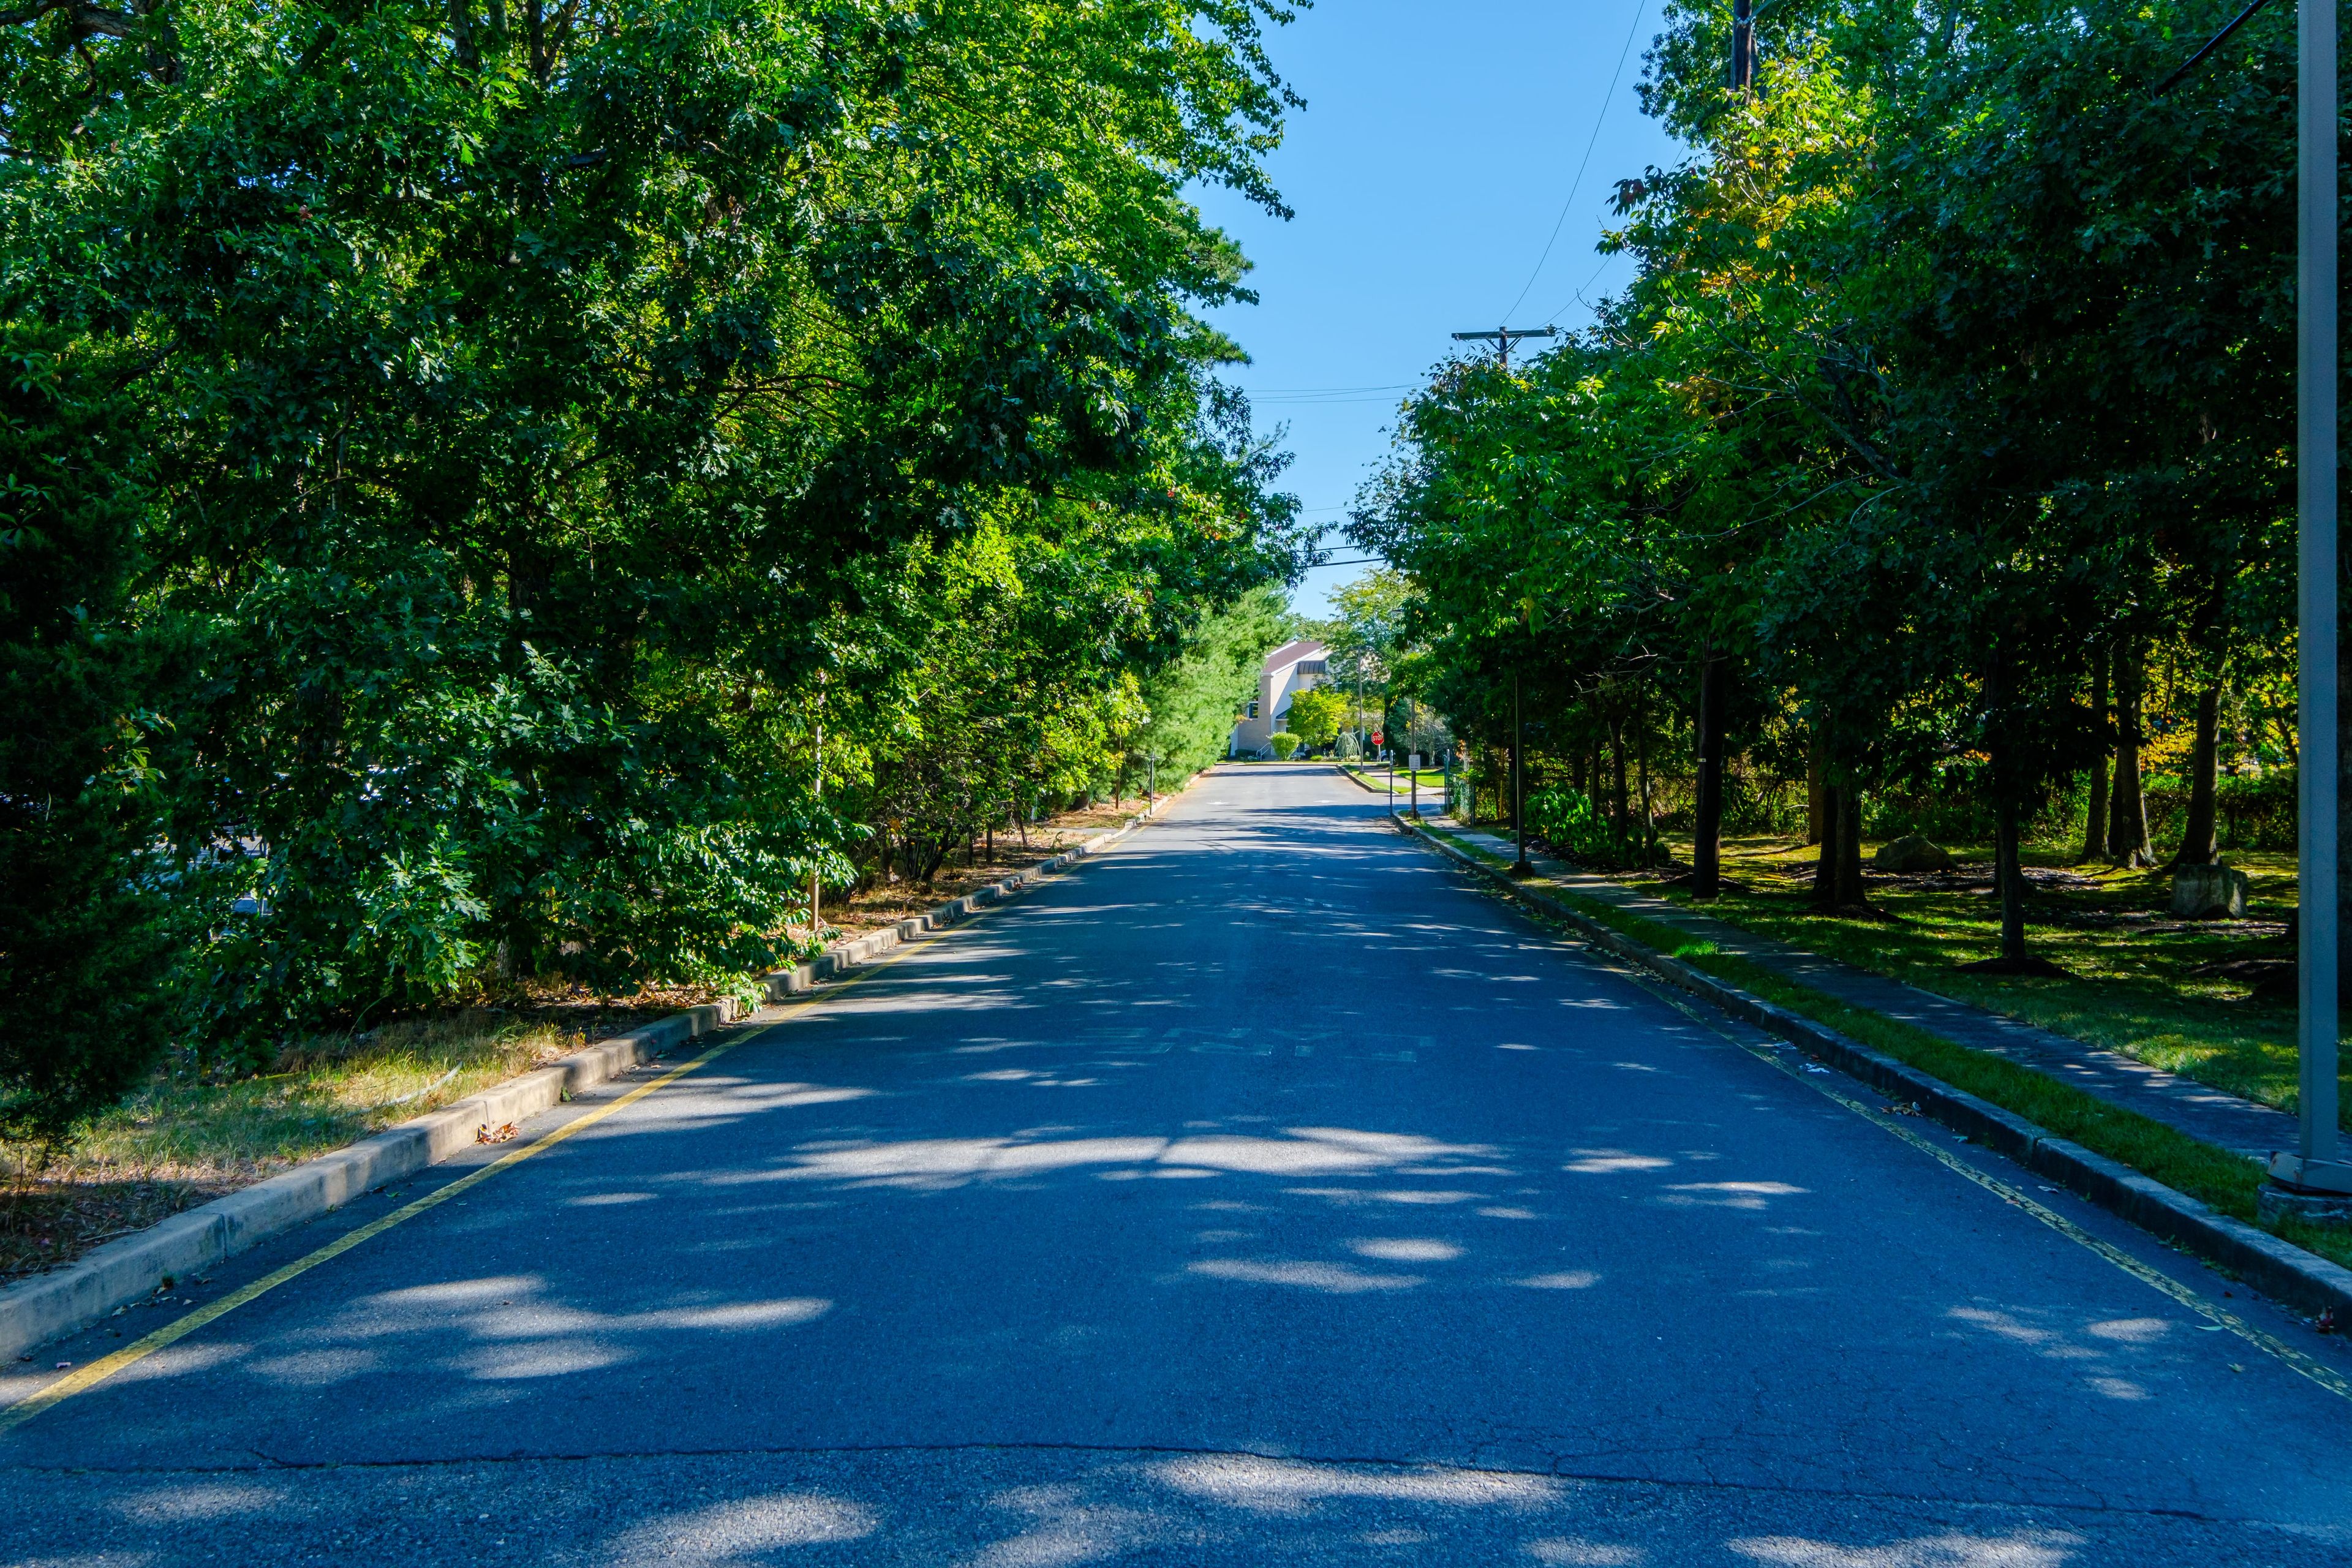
{"x": 1284, "y": 742}
{"x": 1351, "y": 750}
{"x": 1566, "y": 820}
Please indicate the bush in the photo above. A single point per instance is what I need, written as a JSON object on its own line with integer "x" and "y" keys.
{"x": 2249, "y": 813}
{"x": 1566, "y": 820}
{"x": 1284, "y": 742}
{"x": 1351, "y": 750}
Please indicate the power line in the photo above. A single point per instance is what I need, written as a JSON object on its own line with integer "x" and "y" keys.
{"x": 1578, "y": 183}
{"x": 1578, "y": 298}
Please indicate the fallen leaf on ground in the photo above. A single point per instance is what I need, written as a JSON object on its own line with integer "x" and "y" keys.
{"x": 501, "y": 1133}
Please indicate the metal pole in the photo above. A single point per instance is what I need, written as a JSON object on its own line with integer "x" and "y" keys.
{"x": 2314, "y": 1164}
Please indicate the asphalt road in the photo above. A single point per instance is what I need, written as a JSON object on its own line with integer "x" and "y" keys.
{"x": 1263, "y": 1192}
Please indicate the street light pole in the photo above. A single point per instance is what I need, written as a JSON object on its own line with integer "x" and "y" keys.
{"x": 2316, "y": 1164}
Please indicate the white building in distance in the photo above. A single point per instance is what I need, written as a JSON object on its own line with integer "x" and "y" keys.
{"x": 1293, "y": 667}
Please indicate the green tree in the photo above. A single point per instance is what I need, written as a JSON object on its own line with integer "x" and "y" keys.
{"x": 1316, "y": 716}
{"x": 561, "y": 437}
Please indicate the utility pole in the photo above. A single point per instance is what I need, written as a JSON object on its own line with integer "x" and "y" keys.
{"x": 2315, "y": 1165}
{"x": 1519, "y": 867}
{"x": 816, "y": 886}
{"x": 1503, "y": 337}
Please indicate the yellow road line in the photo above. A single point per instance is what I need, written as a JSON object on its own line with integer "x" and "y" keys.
{"x": 97, "y": 1372}
{"x": 2319, "y": 1372}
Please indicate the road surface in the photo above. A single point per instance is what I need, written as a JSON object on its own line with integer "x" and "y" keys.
{"x": 1261, "y": 1193}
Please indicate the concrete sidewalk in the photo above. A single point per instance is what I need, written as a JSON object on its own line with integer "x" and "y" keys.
{"x": 2194, "y": 1107}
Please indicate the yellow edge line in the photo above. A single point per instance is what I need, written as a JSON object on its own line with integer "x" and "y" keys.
{"x": 2319, "y": 1372}
{"x": 97, "y": 1372}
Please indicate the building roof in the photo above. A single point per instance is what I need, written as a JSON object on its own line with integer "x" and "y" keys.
{"x": 1292, "y": 652}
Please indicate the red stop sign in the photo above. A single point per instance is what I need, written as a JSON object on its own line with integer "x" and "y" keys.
{"x": 1378, "y": 740}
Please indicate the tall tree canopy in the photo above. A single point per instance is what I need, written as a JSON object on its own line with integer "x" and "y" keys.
{"x": 502, "y": 488}
{"x": 1952, "y": 389}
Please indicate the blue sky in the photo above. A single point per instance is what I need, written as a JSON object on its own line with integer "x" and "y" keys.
{"x": 1439, "y": 145}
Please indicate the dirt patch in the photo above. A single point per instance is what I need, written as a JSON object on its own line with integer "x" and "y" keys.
{"x": 987, "y": 860}
{"x": 44, "y": 1223}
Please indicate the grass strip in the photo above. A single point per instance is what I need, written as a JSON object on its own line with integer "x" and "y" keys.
{"x": 2214, "y": 1176}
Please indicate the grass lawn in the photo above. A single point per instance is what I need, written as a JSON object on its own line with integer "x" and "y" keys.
{"x": 1432, "y": 778}
{"x": 2136, "y": 987}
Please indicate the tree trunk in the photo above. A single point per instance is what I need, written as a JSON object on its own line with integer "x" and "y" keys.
{"x": 1850, "y": 893}
{"x": 2010, "y": 875}
{"x": 1825, "y": 861}
{"x": 2127, "y": 843}
{"x": 1617, "y": 762}
{"x": 1817, "y": 795}
{"x": 1707, "y": 825}
{"x": 2095, "y": 817}
{"x": 2200, "y": 843}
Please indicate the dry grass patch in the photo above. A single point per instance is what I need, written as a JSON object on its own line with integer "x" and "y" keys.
{"x": 182, "y": 1141}
{"x": 989, "y": 860}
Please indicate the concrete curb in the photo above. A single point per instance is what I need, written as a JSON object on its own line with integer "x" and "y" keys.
{"x": 844, "y": 956}
{"x": 132, "y": 1267}
{"x": 66, "y": 1301}
{"x": 2279, "y": 1269}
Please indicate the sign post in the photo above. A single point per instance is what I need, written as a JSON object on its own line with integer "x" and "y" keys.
{"x": 1413, "y": 773}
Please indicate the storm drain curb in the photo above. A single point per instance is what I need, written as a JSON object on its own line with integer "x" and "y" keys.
{"x": 2278, "y": 1268}
{"x": 68, "y": 1299}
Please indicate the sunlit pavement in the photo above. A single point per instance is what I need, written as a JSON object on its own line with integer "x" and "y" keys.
{"x": 1262, "y": 1193}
